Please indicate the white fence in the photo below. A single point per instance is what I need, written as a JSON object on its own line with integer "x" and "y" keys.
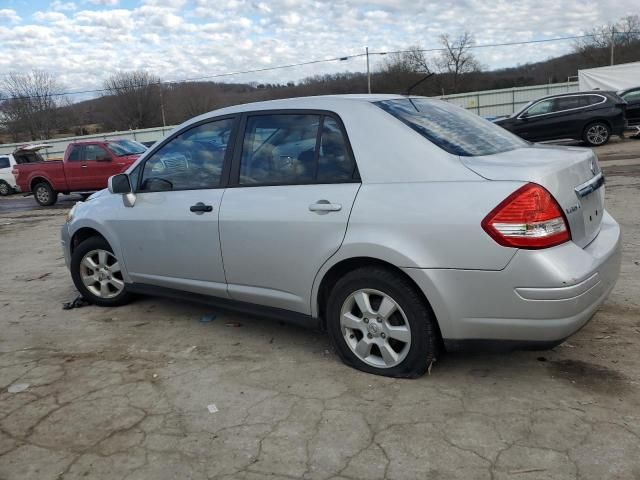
{"x": 487, "y": 104}
{"x": 493, "y": 103}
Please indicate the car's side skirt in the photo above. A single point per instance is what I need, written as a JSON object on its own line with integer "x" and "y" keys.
{"x": 295, "y": 318}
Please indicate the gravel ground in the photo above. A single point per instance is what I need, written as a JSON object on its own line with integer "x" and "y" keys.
{"x": 124, "y": 393}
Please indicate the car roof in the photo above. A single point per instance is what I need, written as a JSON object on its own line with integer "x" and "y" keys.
{"x": 332, "y": 103}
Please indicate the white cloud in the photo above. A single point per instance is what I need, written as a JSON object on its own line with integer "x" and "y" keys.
{"x": 193, "y": 38}
{"x": 106, "y": 3}
{"x": 8, "y": 14}
{"x": 61, "y": 6}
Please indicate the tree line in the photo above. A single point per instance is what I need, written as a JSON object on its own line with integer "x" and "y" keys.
{"x": 33, "y": 106}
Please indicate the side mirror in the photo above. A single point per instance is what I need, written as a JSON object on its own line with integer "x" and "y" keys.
{"x": 119, "y": 184}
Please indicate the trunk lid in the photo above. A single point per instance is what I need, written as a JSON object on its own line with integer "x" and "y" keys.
{"x": 570, "y": 174}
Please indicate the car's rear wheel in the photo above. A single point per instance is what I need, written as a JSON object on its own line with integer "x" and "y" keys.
{"x": 379, "y": 323}
{"x": 44, "y": 194}
{"x": 596, "y": 134}
{"x": 97, "y": 273}
{"x": 5, "y": 188}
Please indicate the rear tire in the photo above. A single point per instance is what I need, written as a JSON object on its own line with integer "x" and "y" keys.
{"x": 5, "y": 188}
{"x": 97, "y": 274}
{"x": 596, "y": 134}
{"x": 44, "y": 194}
{"x": 379, "y": 323}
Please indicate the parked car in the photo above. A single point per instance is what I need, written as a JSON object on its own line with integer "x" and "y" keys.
{"x": 397, "y": 224}
{"x": 22, "y": 154}
{"x": 86, "y": 167}
{"x": 632, "y": 97}
{"x": 588, "y": 116}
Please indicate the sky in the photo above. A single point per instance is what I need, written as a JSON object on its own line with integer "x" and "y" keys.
{"x": 83, "y": 42}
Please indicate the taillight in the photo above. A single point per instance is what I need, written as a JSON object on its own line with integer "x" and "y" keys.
{"x": 528, "y": 218}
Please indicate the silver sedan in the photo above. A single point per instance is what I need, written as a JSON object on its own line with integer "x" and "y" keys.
{"x": 402, "y": 226}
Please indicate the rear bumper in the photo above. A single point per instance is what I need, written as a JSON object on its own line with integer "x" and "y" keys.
{"x": 540, "y": 298}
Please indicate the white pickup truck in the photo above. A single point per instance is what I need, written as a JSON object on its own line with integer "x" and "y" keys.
{"x": 23, "y": 154}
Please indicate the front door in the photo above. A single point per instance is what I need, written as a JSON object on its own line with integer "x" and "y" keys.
{"x": 170, "y": 236}
{"x": 295, "y": 183}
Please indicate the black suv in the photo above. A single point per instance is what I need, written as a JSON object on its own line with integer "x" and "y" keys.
{"x": 590, "y": 116}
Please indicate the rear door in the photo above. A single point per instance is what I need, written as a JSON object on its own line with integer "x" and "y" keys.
{"x": 293, "y": 184}
{"x": 75, "y": 168}
{"x": 170, "y": 237}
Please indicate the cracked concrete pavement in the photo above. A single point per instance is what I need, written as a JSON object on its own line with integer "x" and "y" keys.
{"x": 123, "y": 393}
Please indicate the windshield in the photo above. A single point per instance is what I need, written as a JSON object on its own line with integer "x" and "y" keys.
{"x": 452, "y": 128}
{"x": 122, "y": 148}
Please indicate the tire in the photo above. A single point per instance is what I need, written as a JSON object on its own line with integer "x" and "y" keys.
{"x": 596, "y": 134}
{"x": 44, "y": 194}
{"x": 94, "y": 258}
{"x": 410, "y": 331}
{"x": 5, "y": 189}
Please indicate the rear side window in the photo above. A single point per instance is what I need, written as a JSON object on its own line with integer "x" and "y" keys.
{"x": 452, "y": 128}
{"x": 74, "y": 154}
{"x": 4, "y": 162}
{"x": 568, "y": 103}
{"x": 282, "y": 149}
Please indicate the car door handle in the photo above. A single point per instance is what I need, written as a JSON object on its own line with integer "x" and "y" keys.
{"x": 324, "y": 206}
{"x": 84, "y": 166}
{"x": 201, "y": 208}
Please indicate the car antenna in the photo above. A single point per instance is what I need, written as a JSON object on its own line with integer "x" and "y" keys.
{"x": 426, "y": 77}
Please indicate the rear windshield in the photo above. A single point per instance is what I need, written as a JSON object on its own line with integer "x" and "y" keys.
{"x": 452, "y": 128}
{"x": 122, "y": 148}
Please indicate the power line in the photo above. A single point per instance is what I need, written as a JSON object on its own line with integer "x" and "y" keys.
{"x": 312, "y": 62}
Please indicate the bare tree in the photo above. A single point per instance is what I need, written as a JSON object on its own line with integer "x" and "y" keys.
{"x": 134, "y": 99}
{"x": 456, "y": 58}
{"x": 31, "y": 104}
{"x": 596, "y": 47}
{"x": 413, "y": 60}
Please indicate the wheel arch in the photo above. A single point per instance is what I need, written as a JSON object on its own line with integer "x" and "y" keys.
{"x": 36, "y": 180}
{"x": 83, "y": 234}
{"x": 597, "y": 120}
{"x": 346, "y": 265}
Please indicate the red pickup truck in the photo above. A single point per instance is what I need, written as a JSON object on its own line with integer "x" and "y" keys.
{"x": 86, "y": 167}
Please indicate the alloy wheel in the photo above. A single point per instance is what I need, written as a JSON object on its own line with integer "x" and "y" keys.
{"x": 597, "y": 134}
{"x": 375, "y": 328}
{"x": 42, "y": 194}
{"x": 100, "y": 272}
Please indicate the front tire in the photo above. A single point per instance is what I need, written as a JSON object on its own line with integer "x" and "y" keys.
{"x": 596, "y": 134}
{"x": 97, "y": 274}
{"x": 5, "y": 189}
{"x": 379, "y": 323}
{"x": 44, "y": 194}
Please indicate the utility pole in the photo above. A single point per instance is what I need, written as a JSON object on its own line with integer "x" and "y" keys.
{"x": 368, "y": 71}
{"x": 164, "y": 123}
{"x": 613, "y": 39}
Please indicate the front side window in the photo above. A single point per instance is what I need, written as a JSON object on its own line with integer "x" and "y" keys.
{"x": 95, "y": 152}
{"x": 192, "y": 160}
{"x": 632, "y": 96}
{"x": 4, "y": 162}
{"x": 452, "y": 128}
{"x": 540, "y": 108}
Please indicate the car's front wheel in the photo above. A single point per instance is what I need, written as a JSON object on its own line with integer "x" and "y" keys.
{"x": 380, "y": 324}
{"x": 596, "y": 134}
{"x": 97, "y": 273}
